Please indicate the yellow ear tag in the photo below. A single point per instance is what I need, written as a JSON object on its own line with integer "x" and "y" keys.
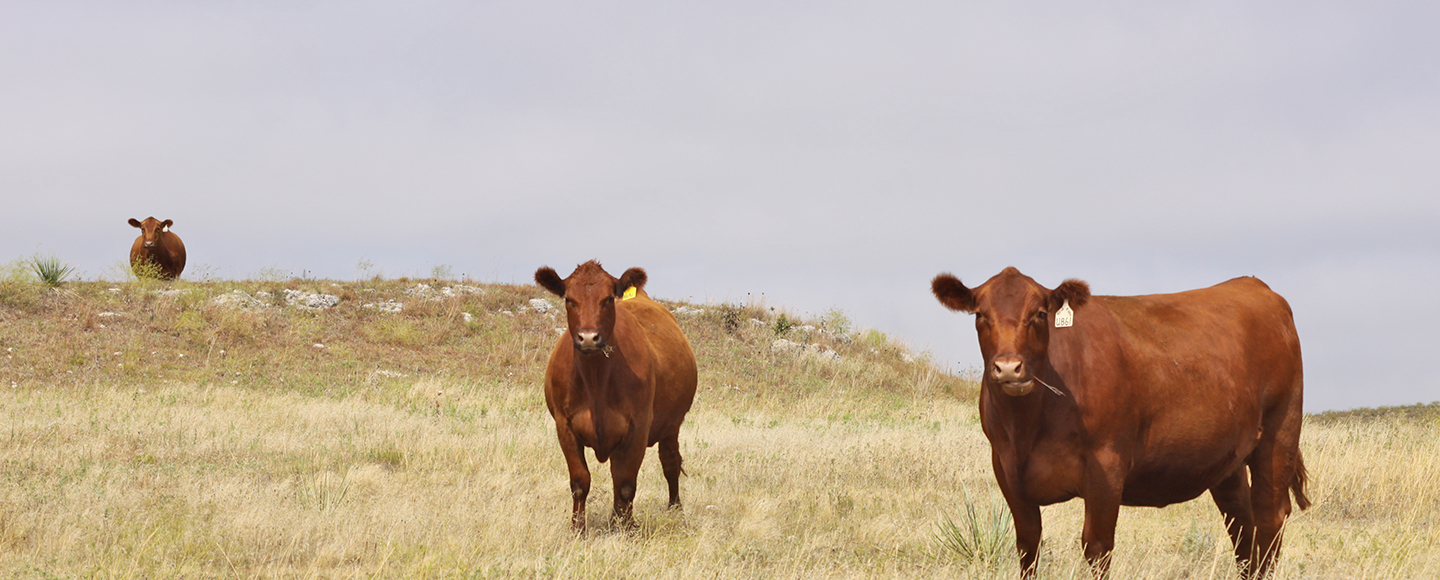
{"x": 629, "y": 293}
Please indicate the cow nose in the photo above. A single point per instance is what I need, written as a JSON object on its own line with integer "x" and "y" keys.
{"x": 1007, "y": 368}
{"x": 149, "y": 244}
{"x": 589, "y": 340}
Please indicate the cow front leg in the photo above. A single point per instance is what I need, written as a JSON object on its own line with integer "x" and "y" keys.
{"x": 1104, "y": 486}
{"x": 1026, "y": 516}
{"x": 579, "y": 476}
{"x": 625, "y": 470}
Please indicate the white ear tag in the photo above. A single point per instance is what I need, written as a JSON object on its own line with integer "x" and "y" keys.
{"x": 1064, "y": 317}
{"x": 165, "y": 229}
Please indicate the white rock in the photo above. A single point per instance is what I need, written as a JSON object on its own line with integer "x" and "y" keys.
{"x": 387, "y": 306}
{"x": 467, "y": 317}
{"x": 307, "y": 301}
{"x": 238, "y": 299}
{"x": 540, "y": 305}
{"x": 461, "y": 290}
{"x": 687, "y": 311}
{"x": 782, "y": 345}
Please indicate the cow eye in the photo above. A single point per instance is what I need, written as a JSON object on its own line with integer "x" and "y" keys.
{"x": 1040, "y": 315}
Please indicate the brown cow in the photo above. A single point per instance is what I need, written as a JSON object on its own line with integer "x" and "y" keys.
{"x": 620, "y": 380}
{"x": 1141, "y": 401}
{"x": 157, "y": 247}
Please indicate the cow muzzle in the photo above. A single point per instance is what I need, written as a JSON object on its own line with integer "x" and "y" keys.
{"x": 1012, "y": 376}
{"x": 589, "y": 341}
{"x": 148, "y": 244}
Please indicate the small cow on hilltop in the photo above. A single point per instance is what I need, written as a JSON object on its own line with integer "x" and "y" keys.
{"x": 619, "y": 380}
{"x": 1140, "y": 401}
{"x": 158, "y": 251}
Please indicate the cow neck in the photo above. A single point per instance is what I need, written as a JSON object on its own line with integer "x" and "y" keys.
{"x": 1023, "y": 417}
{"x": 594, "y": 373}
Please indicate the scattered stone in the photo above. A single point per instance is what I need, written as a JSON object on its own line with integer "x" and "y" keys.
{"x": 307, "y": 301}
{"x": 467, "y": 317}
{"x": 785, "y": 345}
{"x": 108, "y": 314}
{"x": 822, "y": 353}
{"x": 818, "y": 351}
{"x": 238, "y": 299}
{"x": 757, "y": 322}
{"x": 907, "y": 358}
{"x": 461, "y": 290}
{"x": 386, "y": 306}
{"x": 687, "y": 311}
{"x": 540, "y": 305}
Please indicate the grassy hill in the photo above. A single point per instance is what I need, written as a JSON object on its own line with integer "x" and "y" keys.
{"x": 219, "y": 430}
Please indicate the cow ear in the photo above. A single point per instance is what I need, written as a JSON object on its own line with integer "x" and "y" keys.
{"x": 165, "y": 225}
{"x": 1075, "y": 291}
{"x": 952, "y": 293}
{"x": 549, "y": 280}
{"x": 136, "y": 223}
{"x": 634, "y": 277}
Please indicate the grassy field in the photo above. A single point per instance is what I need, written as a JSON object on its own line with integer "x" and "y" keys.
{"x": 150, "y": 431}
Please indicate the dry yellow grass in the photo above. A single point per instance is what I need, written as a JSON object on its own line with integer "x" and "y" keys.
{"x": 796, "y": 468}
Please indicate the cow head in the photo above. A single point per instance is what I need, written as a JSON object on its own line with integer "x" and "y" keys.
{"x": 150, "y": 229}
{"x": 590, "y": 294}
{"x": 1012, "y": 318}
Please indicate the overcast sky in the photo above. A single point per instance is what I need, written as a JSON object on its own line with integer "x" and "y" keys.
{"x": 825, "y": 154}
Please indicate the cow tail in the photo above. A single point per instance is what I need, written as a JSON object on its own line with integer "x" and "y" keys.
{"x": 1301, "y": 481}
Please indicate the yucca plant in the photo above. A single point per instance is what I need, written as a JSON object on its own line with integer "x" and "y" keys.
{"x": 981, "y": 535}
{"x": 51, "y": 270}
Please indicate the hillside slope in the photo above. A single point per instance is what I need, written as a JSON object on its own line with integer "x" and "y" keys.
{"x": 190, "y": 430}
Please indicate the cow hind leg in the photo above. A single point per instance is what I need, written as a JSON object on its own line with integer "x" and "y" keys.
{"x": 1274, "y": 470}
{"x": 673, "y": 465}
{"x": 1232, "y": 496}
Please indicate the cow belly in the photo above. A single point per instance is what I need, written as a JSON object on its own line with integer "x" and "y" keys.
{"x": 1164, "y": 483}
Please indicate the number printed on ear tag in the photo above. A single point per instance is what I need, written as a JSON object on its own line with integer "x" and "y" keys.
{"x": 1064, "y": 317}
{"x": 629, "y": 293}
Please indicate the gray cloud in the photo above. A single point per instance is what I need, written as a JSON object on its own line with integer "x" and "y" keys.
{"x": 824, "y": 154}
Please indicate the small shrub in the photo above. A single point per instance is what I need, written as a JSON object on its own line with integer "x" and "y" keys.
{"x": 145, "y": 270}
{"x": 835, "y": 322}
{"x": 783, "y": 325}
{"x": 730, "y": 317}
{"x": 51, "y": 270}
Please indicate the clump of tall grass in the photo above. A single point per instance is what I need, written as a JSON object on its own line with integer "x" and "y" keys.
{"x": 983, "y": 535}
{"x": 144, "y": 270}
{"x": 15, "y": 287}
{"x": 50, "y": 270}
